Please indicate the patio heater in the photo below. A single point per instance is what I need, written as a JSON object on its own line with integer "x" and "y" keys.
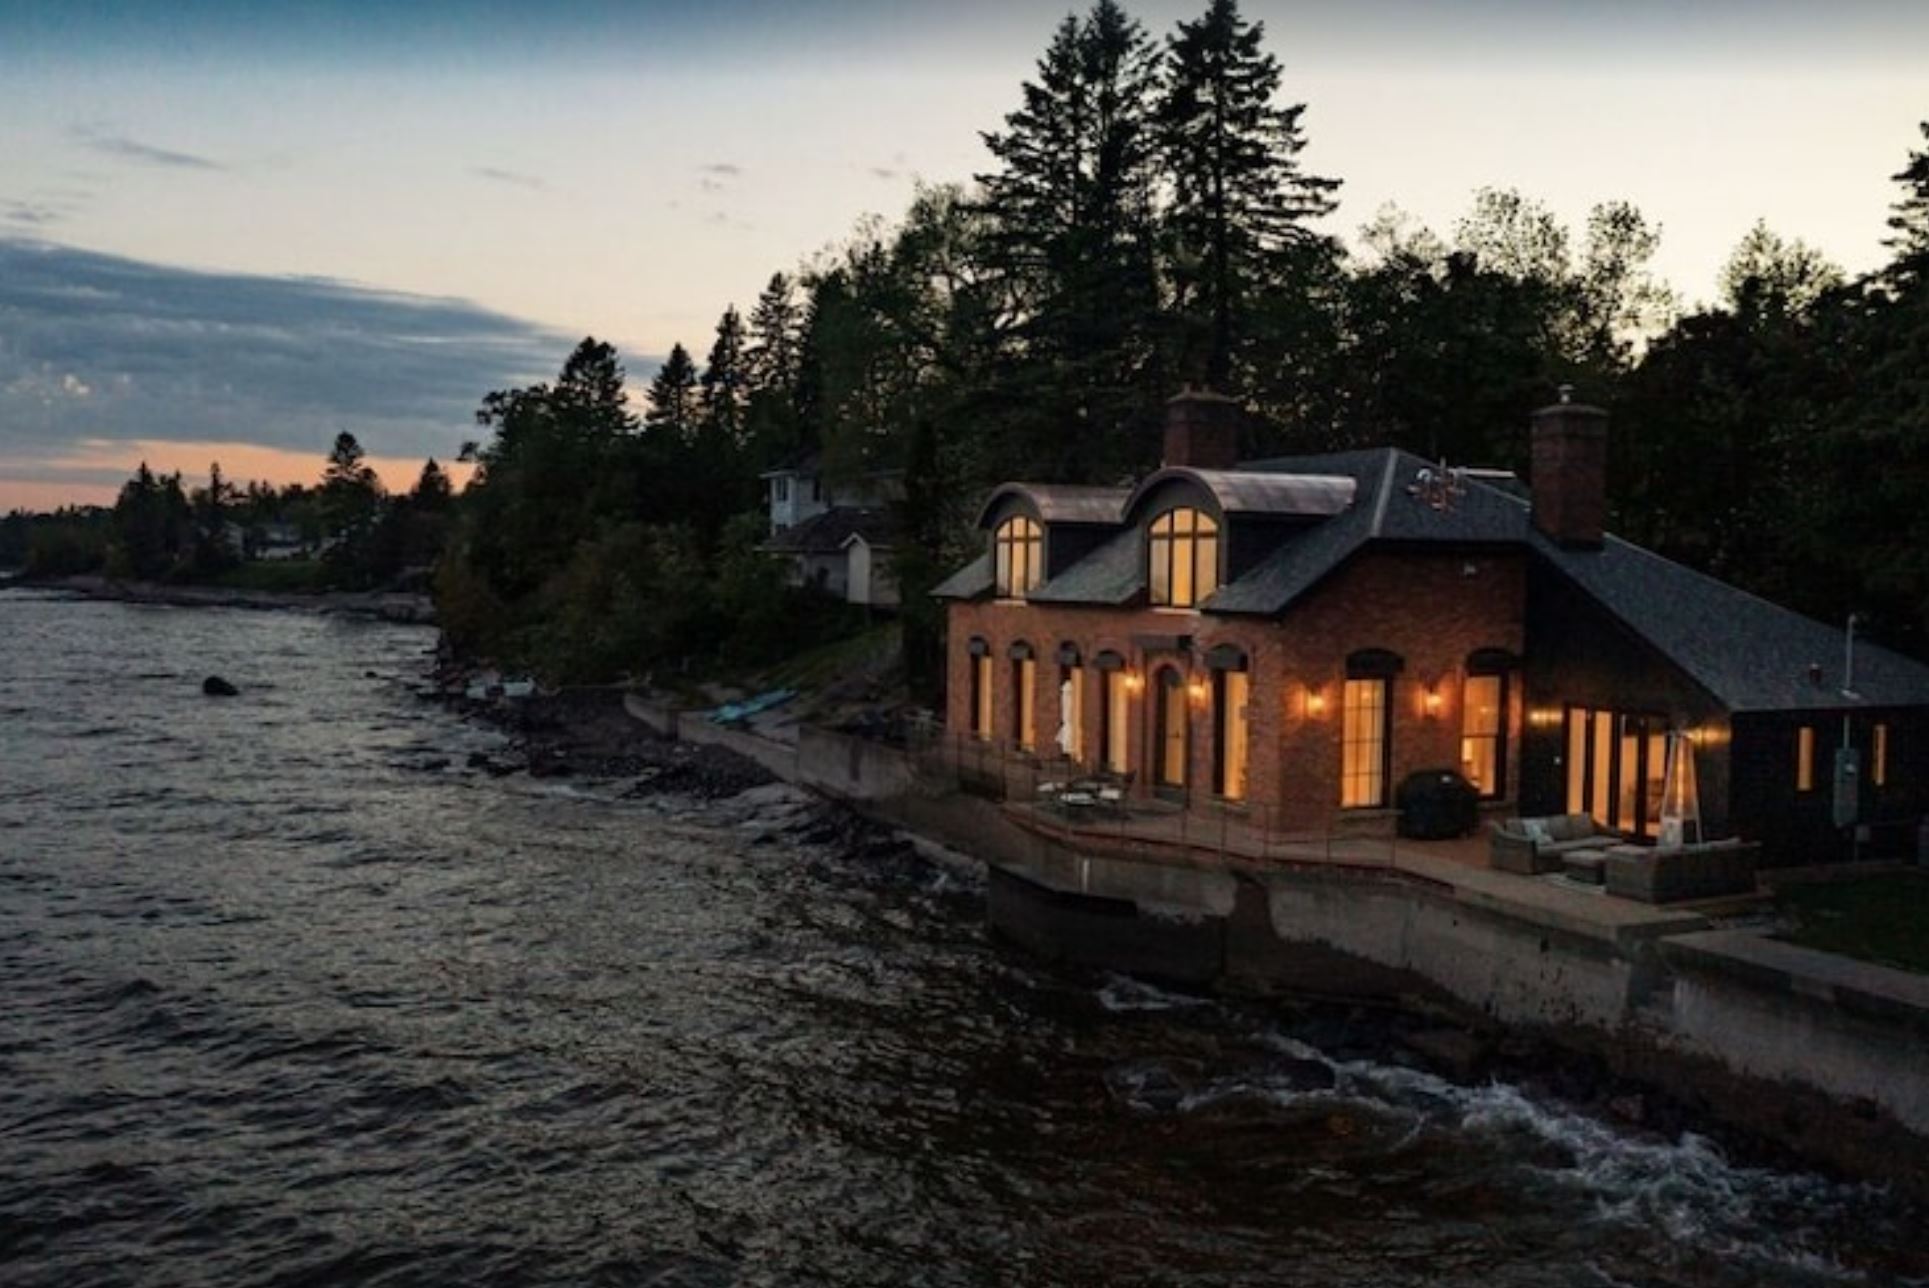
{"x": 1680, "y": 800}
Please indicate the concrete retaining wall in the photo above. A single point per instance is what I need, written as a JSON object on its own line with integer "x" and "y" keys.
{"x": 853, "y": 768}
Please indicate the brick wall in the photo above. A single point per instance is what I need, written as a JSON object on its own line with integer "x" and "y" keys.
{"x": 1431, "y": 609}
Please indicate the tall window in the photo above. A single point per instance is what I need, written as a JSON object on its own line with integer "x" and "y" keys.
{"x": 1617, "y": 765}
{"x": 1363, "y": 744}
{"x": 1071, "y": 710}
{"x": 1184, "y": 553}
{"x": 1483, "y": 733}
{"x": 1115, "y": 716}
{"x": 1879, "y": 757}
{"x": 1169, "y": 734}
{"x": 1024, "y": 706}
{"x": 1019, "y": 549}
{"x": 1805, "y": 759}
{"x": 1231, "y": 731}
{"x": 980, "y": 691}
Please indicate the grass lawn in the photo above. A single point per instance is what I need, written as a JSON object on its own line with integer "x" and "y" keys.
{"x": 1882, "y": 919}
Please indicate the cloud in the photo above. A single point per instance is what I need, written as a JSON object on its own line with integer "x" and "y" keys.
{"x": 710, "y": 185}
{"x": 116, "y": 144}
{"x": 883, "y": 172}
{"x": 96, "y": 347}
{"x": 513, "y": 177}
{"x": 724, "y": 168}
{"x": 30, "y": 214}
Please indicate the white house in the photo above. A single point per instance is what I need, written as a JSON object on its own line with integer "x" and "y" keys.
{"x": 837, "y": 539}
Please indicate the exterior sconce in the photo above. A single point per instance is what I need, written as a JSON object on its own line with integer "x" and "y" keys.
{"x": 1432, "y": 702}
{"x": 1199, "y": 691}
{"x": 1134, "y": 681}
{"x": 1544, "y": 717}
{"x": 1315, "y": 703}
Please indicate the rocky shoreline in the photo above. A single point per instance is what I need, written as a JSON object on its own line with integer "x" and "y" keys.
{"x": 390, "y": 606}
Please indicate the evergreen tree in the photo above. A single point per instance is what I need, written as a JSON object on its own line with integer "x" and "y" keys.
{"x": 673, "y": 398}
{"x": 1073, "y": 238}
{"x": 770, "y": 357}
{"x": 725, "y": 383}
{"x": 432, "y": 493}
{"x": 1239, "y": 197}
{"x": 351, "y": 500}
{"x": 1909, "y": 216}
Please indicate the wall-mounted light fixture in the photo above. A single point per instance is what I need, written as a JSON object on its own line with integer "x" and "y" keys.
{"x": 1315, "y": 701}
{"x": 1544, "y": 717}
{"x": 1134, "y": 681}
{"x": 1431, "y": 702}
{"x": 1199, "y": 691}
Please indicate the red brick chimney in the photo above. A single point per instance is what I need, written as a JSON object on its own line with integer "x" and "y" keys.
{"x": 1569, "y": 472}
{"x": 1202, "y": 430}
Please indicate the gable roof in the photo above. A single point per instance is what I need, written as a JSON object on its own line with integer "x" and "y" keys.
{"x": 1748, "y": 653}
{"x": 827, "y": 532}
{"x": 1752, "y": 655}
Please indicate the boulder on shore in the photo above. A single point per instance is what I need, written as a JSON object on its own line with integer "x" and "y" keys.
{"x": 216, "y": 687}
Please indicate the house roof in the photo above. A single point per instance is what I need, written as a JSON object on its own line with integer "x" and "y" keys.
{"x": 1062, "y": 502}
{"x": 827, "y": 533}
{"x": 1750, "y": 654}
{"x": 805, "y": 463}
{"x": 1259, "y": 491}
{"x": 972, "y": 581}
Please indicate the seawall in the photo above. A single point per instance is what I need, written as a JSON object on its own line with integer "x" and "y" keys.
{"x": 1825, "y": 1056}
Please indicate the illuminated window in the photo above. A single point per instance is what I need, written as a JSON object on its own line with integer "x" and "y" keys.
{"x": 980, "y": 690}
{"x": 1114, "y": 715}
{"x": 1232, "y": 690}
{"x": 1577, "y": 760}
{"x": 1184, "y": 558}
{"x": 1483, "y": 723}
{"x": 1363, "y": 744}
{"x": 1071, "y": 710}
{"x": 1879, "y": 757}
{"x": 1019, "y": 546}
{"x": 1805, "y": 759}
{"x": 1024, "y": 707}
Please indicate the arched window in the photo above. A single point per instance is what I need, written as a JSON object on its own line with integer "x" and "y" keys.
{"x": 1019, "y": 549}
{"x": 1171, "y": 729}
{"x": 1183, "y": 548}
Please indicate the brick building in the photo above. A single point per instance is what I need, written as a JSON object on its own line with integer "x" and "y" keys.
{"x": 1290, "y": 638}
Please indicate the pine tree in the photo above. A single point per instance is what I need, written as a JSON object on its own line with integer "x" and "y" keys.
{"x": 770, "y": 357}
{"x": 1072, "y": 214}
{"x": 433, "y": 491}
{"x": 725, "y": 382}
{"x": 1909, "y": 216}
{"x": 1239, "y": 197}
{"x": 673, "y": 397}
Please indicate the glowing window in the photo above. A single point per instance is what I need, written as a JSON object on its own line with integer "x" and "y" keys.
{"x": 1019, "y": 549}
{"x": 981, "y": 696}
{"x": 1183, "y": 550}
{"x": 1879, "y": 757}
{"x": 1363, "y": 744}
{"x": 1233, "y": 692}
{"x": 1024, "y": 682}
{"x": 1483, "y": 716}
{"x": 1805, "y": 759}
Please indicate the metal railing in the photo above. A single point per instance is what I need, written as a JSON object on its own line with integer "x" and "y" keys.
{"x": 1089, "y": 808}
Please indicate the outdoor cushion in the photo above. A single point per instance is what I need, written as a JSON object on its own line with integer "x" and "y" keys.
{"x": 1535, "y": 830}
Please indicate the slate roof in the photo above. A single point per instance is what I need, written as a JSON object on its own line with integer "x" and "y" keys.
{"x": 826, "y": 533}
{"x": 973, "y": 581}
{"x": 1256, "y": 491}
{"x": 1063, "y": 502}
{"x": 1113, "y": 574}
{"x": 1750, "y": 654}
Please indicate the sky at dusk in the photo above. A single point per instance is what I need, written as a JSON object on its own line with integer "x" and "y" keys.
{"x": 231, "y": 229}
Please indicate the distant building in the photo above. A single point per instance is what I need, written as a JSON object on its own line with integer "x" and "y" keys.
{"x": 1293, "y": 637}
{"x": 839, "y": 540}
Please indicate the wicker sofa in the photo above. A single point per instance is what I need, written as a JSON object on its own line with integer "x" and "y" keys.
{"x": 1528, "y": 846}
{"x": 1656, "y": 875}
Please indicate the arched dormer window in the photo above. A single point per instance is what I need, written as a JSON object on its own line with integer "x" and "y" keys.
{"x": 1019, "y": 549}
{"x": 1182, "y": 547}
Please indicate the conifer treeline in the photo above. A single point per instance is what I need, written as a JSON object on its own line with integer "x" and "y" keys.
{"x": 1147, "y": 223}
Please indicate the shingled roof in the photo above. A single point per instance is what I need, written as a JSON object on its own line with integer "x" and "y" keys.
{"x": 826, "y": 533}
{"x": 1751, "y": 655}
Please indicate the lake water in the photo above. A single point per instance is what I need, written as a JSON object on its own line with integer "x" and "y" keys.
{"x": 279, "y": 1004}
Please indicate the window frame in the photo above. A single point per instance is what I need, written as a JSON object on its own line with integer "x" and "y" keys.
{"x": 1382, "y": 734}
{"x": 1199, "y": 542}
{"x": 1496, "y": 790}
{"x": 1017, "y": 546}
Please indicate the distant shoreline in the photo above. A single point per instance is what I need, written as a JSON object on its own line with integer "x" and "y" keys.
{"x": 393, "y": 606}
